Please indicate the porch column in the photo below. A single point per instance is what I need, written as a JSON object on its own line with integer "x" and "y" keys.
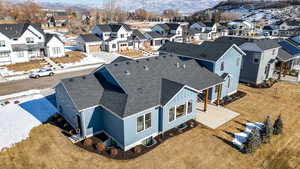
{"x": 205, "y": 99}
{"x": 280, "y": 71}
{"x": 219, "y": 94}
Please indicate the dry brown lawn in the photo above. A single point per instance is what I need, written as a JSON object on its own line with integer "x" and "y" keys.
{"x": 26, "y": 66}
{"x": 200, "y": 148}
{"x": 71, "y": 57}
{"x": 131, "y": 53}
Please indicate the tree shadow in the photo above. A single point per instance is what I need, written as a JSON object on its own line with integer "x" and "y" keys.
{"x": 228, "y": 142}
{"x": 240, "y": 123}
{"x": 229, "y": 133}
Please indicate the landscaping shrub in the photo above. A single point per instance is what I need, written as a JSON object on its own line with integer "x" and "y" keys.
{"x": 253, "y": 141}
{"x": 88, "y": 142}
{"x": 17, "y": 102}
{"x": 278, "y": 126}
{"x": 113, "y": 151}
{"x": 66, "y": 125}
{"x": 137, "y": 149}
{"x": 6, "y": 102}
{"x": 100, "y": 146}
{"x": 60, "y": 119}
{"x": 267, "y": 131}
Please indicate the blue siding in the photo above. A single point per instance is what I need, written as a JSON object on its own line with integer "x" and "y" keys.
{"x": 231, "y": 67}
{"x": 130, "y": 126}
{"x": 98, "y": 119}
{"x": 93, "y": 121}
{"x": 65, "y": 105}
{"x": 182, "y": 97}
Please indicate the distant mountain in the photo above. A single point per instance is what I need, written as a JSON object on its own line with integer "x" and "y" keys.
{"x": 184, "y": 6}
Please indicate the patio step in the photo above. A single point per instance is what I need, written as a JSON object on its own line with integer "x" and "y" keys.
{"x": 53, "y": 64}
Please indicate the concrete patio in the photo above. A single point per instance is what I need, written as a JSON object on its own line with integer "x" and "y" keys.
{"x": 215, "y": 116}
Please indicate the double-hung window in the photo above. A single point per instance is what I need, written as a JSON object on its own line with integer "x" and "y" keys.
{"x": 30, "y": 40}
{"x": 180, "y": 111}
{"x": 56, "y": 50}
{"x": 2, "y": 43}
{"x": 190, "y": 107}
{"x": 172, "y": 114}
{"x": 143, "y": 122}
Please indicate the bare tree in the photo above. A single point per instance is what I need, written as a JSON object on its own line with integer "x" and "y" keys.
{"x": 229, "y": 16}
{"x": 28, "y": 12}
{"x": 171, "y": 13}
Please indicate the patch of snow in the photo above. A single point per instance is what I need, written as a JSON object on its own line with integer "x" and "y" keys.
{"x": 25, "y": 93}
{"x": 241, "y": 138}
{"x": 17, "y": 120}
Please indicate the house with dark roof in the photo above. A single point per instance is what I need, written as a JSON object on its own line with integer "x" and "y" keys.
{"x": 54, "y": 46}
{"x": 223, "y": 59}
{"x": 118, "y": 37}
{"x": 209, "y": 30}
{"x": 132, "y": 101}
{"x": 270, "y": 30}
{"x": 241, "y": 28}
{"x": 288, "y": 57}
{"x": 259, "y": 62}
{"x": 89, "y": 43}
{"x": 24, "y": 42}
{"x": 173, "y": 31}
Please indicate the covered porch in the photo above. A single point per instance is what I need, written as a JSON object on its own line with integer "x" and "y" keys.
{"x": 213, "y": 115}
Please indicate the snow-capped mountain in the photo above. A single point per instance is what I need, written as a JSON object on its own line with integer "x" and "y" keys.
{"x": 184, "y": 6}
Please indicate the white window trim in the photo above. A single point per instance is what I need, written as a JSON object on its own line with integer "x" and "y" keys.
{"x": 144, "y": 128}
{"x": 185, "y": 114}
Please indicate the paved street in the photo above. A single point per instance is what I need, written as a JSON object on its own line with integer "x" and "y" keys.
{"x": 44, "y": 82}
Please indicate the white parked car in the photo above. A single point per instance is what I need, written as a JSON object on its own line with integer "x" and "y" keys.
{"x": 41, "y": 73}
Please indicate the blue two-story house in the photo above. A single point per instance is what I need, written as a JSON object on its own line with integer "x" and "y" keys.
{"x": 223, "y": 59}
{"x": 132, "y": 101}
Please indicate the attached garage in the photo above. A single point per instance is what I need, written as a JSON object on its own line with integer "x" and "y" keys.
{"x": 94, "y": 48}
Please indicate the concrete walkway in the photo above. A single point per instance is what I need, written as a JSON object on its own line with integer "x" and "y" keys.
{"x": 215, "y": 116}
{"x": 52, "y": 63}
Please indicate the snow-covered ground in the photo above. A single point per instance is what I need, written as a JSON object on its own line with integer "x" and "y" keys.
{"x": 17, "y": 120}
{"x": 241, "y": 138}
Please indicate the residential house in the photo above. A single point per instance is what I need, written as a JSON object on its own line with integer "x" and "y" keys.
{"x": 289, "y": 27}
{"x": 288, "y": 57}
{"x": 119, "y": 37}
{"x": 223, "y": 59}
{"x": 89, "y": 43}
{"x": 132, "y": 101}
{"x": 54, "y": 46}
{"x": 24, "y": 42}
{"x": 172, "y": 31}
{"x": 270, "y": 30}
{"x": 241, "y": 28}
{"x": 156, "y": 39}
{"x": 210, "y": 30}
{"x": 259, "y": 62}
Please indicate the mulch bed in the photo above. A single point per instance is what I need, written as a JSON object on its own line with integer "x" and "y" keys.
{"x": 131, "y": 154}
{"x": 264, "y": 85}
{"x": 232, "y": 98}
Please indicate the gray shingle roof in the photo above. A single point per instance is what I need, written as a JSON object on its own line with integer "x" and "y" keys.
{"x": 17, "y": 30}
{"x": 85, "y": 91}
{"x": 206, "y": 51}
{"x": 263, "y": 44}
{"x": 112, "y": 27}
{"x": 90, "y": 38}
{"x": 137, "y": 35}
{"x": 155, "y": 35}
{"x": 147, "y": 83}
{"x": 48, "y": 37}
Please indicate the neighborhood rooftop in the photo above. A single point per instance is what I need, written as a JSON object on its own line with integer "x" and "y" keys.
{"x": 90, "y": 38}
{"x": 143, "y": 84}
{"x": 207, "y": 50}
{"x": 263, "y": 44}
{"x": 17, "y": 30}
{"x": 112, "y": 27}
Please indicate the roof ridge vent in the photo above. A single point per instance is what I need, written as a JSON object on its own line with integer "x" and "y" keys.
{"x": 127, "y": 72}
{"x": 83, "y": 77}
{"x": 184, "y": 66}
{"x": 127, "y": 62}
{"x": 177, "y": 64}
{"x": 71, "y": 80}
{"x": 146, "y": 67}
